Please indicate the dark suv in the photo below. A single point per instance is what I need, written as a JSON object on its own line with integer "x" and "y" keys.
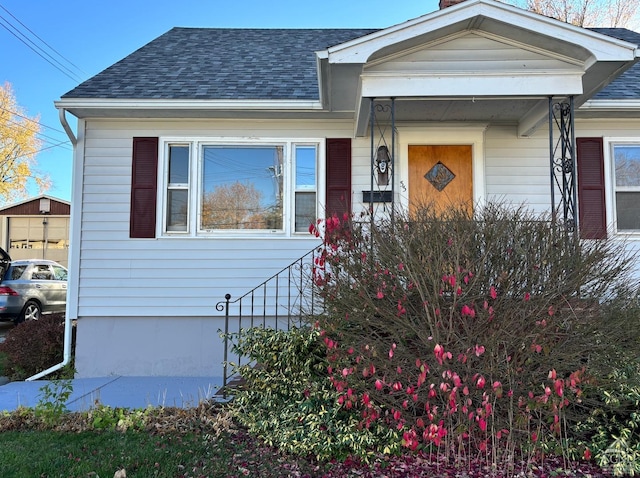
{"x": 31, "y": 287}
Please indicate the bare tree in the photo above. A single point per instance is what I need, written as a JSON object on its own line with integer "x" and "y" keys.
{"x": 585, "y": 13}
{"x": 236, "y": 206}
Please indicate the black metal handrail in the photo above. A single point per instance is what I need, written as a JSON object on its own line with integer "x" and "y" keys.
{"x": 289, "y": 293}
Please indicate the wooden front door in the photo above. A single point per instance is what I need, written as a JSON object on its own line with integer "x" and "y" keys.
{"x": 440, "y": 176}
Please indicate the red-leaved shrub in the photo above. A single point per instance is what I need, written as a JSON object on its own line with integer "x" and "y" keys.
{"x": 471, "y": 332}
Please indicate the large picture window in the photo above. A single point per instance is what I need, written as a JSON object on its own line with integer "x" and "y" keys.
{"x": 242, "y": 187}
{"x": 626, "y": 170}
{"x": 220, "y": 187}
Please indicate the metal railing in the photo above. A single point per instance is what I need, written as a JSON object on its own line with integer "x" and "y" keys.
{"x": 279, "y": 302}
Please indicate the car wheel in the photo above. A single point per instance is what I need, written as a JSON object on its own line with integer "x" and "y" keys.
{"x": 31, "y": 311}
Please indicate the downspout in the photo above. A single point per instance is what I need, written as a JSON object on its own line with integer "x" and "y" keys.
{"x": 66, "y": 354}
{"x": 66, "y": 127}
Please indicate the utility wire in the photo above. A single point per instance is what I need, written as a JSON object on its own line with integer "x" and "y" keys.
{"x": 47, "y": 139}
{"x": 43, "y": 41}
{"x": 14, "y": 113}
{"x": 38, "y": 50}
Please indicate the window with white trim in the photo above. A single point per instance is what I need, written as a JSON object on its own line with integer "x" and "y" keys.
{"x": 626, "y": 180}
{"x": 177, "y": 197}
{"x": 244, "y": 187}
{"x": 306, "y": 158}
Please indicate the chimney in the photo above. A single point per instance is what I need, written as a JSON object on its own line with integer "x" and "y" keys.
{"x": 449, "y": 3}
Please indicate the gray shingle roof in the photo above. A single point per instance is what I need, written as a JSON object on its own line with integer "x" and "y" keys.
{"x": 214, "y": 63}
{"x": 274, "y": 64}
{"x": 627, "y": 85}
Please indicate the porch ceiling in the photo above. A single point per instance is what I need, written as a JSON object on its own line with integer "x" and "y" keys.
{"x": 464, "y": 109}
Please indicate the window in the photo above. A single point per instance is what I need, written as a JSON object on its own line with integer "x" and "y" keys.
{"x": 177, "y": 187}
{"x": 41, "y": 272}
{"x": 626, "y": 171}
{"x": 59, "y": 273}
{"x": 15, "y": 272}
{"x": 242, "y": 187}
{"x": 214, "y": 187}
{"x": 305, "y": 157}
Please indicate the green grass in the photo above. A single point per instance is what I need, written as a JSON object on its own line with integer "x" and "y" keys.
{"x": 144, "y": 454}
{"x": 49, "y": 454}
{"x": 205, "y": 442}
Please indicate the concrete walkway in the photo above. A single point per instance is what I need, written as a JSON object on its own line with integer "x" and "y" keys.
{"x": 117, "y": 391}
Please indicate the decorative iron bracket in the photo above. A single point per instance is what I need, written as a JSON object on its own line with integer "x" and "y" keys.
{"x": 563, "y": 163}
{"x": 383, "y": 153}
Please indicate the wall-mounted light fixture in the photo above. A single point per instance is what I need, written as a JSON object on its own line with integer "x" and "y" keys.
{"x": 383, "y": 164}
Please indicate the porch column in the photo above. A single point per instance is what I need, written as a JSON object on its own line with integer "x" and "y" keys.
{"x": 563, "y": 163}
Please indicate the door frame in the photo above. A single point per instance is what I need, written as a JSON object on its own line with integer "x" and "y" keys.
{"x": 472, "y": 134}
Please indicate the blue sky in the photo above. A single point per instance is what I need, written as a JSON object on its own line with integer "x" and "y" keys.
{"x": 89, "y": 36}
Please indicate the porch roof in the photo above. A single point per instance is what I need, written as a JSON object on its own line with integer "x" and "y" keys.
{"x": 480, "y": 60}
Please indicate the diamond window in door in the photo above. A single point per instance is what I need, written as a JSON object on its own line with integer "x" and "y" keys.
{"x": 439, "y": 176}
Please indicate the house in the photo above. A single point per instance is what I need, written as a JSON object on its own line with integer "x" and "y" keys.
{"x": 201, "y": 159}
{"x": 36, "y": 228}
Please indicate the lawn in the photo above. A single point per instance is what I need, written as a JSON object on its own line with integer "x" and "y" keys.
{"x": 200, "y": 442}
{"x": 197, "y": 442}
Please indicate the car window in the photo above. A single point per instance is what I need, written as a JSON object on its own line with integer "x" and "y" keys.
{"x": 15, "y": 272}
{"x": 41, "y": 272}
{"x": 59, "y": 273}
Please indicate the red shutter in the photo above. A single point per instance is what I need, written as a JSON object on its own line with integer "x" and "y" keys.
{"x": 338, "y": 177}
{"x": 144, "y": 174}
{"x": 591, "y": 188}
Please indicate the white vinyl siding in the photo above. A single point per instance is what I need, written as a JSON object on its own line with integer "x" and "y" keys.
{"x": 517, "y": 169}
{"x": 172, "y": 277}
{"x": 179, "y": 277}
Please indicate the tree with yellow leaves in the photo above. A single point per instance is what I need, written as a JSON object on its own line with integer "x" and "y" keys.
{"x": 19, "y": 145}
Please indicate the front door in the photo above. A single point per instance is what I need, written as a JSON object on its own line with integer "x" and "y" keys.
{"x": 440, "y": 176}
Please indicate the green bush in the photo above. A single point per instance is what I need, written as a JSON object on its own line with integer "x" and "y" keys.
{"x": 473, "y": 330}
{"x": 609, "y": 426}
{"x": 3, "y": 360}
{"x": 52, "y": 400}
{"x": 287, "y": 400}
{"x": 34, "y": 346}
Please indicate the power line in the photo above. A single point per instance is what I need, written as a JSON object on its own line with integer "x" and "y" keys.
{"x": 14, "y": 113}
{"x": 24, "y": 126}
{"x": 45, "y": 138}
{"x": 37, "y": 151}
{"x": 43, "y": 41}
{"x": 38, "y": 50}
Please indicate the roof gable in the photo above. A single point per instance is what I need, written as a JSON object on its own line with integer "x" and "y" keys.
{"x": 472, "y": 52}
{"x": 31, "y": 206}
{"x": 497, "y": 18}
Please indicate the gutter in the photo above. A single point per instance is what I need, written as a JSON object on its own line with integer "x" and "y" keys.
{"x": 66, "y": 354}
{"x": 111, "y": 104}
